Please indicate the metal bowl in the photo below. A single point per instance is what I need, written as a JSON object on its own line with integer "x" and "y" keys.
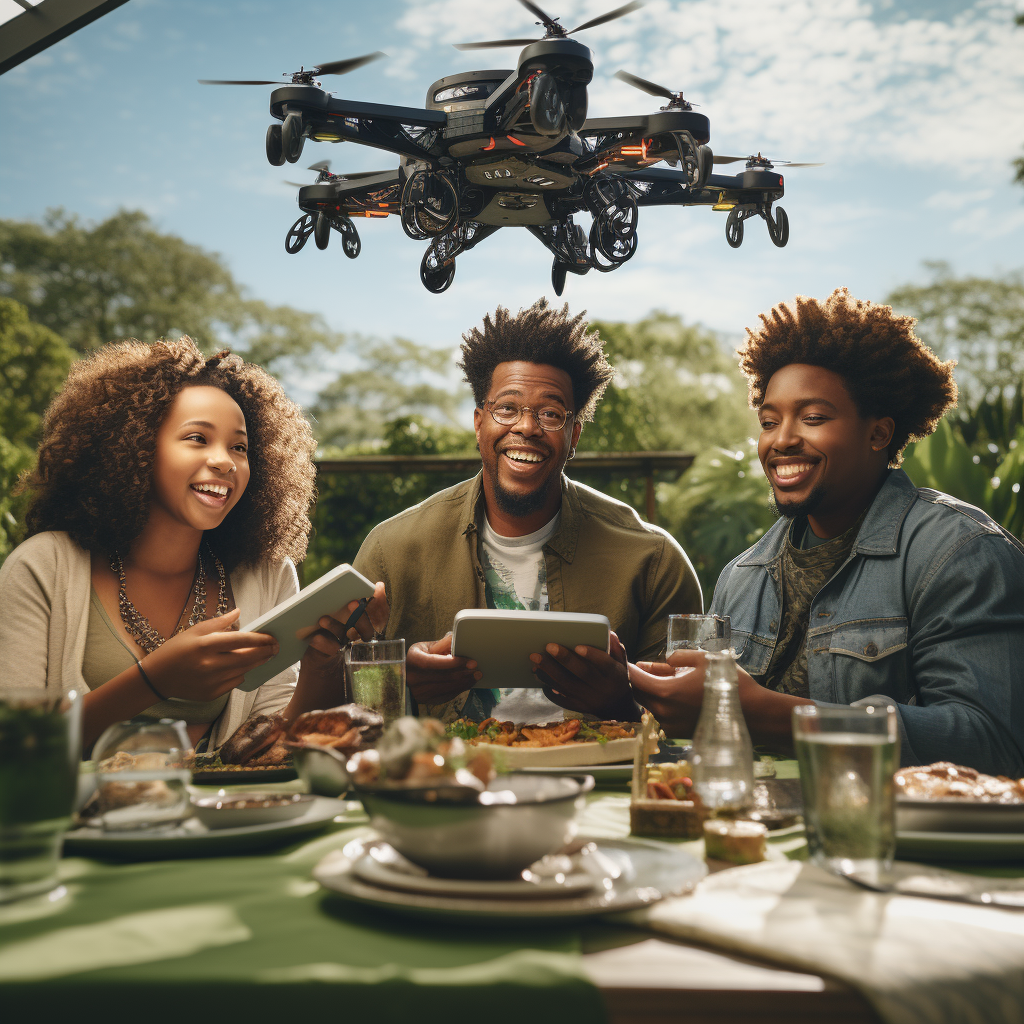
{"x": 459, "y": 833}
{"x": 321, "y": 768}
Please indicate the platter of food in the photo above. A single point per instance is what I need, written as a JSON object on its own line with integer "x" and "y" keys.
{"x": 573, "y": 743}
{"x": 949, "y": 798}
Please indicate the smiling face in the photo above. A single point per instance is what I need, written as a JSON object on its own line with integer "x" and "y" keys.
{"x": 202, "y": 467}
{"x": 523, "y": 462}
{"x": 822, "y": 458}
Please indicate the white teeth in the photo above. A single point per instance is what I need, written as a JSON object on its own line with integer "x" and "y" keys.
{"x": 220, "y": 490}
{"x": 792, "y": 470}
{"x": 523, "y": 456}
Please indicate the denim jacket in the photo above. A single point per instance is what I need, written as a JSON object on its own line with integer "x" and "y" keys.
{"x": 926, "y": 614}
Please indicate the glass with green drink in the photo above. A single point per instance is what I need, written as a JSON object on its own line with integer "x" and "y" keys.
{"x": 376, "y": 676}
{"x": 40, "y": 737}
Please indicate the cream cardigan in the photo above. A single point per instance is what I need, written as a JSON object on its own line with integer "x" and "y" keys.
{"x": 44, "y": 616}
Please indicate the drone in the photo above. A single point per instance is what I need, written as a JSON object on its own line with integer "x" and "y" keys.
{"x": 512, "y": 148}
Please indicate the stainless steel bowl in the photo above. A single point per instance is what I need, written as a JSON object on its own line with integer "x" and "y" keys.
{"x": 494, "y": 834}
{"x": 321, "y": 768}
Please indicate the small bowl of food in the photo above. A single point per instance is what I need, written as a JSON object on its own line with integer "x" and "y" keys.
{"x": 441, "y": 805}
{"x": 240, "y": 810}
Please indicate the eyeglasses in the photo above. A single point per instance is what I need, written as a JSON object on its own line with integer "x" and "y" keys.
{"x": 508, "y": 414}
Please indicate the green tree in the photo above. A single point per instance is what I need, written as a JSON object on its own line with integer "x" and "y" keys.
{"x": 977, "y": 321}
{"x": 122, "y": 278}
{"x": 33, "y": 363}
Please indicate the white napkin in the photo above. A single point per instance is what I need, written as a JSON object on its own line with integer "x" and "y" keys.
{"x": 917, "y": 961}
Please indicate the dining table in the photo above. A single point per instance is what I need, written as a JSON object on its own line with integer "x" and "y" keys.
{"x": 254, "y": 937}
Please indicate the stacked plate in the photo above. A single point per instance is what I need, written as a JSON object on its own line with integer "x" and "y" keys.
{"x": 592, "y": 877}
{"x": 954, "y": 829}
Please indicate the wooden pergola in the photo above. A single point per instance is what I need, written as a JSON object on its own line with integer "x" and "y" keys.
{"x": 630, "y": 464}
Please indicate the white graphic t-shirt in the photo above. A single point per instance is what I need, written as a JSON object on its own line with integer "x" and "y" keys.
{"x": 516, "y": 578}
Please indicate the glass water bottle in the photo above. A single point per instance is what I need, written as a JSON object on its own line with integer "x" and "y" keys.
{"x": 723, "y": 756}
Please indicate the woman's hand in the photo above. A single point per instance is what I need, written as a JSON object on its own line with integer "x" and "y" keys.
{"x": 207, "y": 659}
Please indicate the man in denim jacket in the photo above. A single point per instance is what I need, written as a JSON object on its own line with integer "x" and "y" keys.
{"x": 868, "y": 589}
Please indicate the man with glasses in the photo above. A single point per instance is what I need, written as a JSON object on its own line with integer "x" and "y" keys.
{"x": 520, "y": 535}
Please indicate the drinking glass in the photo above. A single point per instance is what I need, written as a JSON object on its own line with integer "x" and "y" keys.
{"x": 40, "y": 744}
{"x": 376, "y": 676}
{"x": 698, "y": 633}
{"x": 847, "y": 759}
{"x": 142, "y": 775}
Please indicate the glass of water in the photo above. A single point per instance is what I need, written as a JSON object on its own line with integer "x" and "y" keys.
{"x": 376, "y": 676}
{"x": 698, "y": 633}
{"x": 847, "y": 759}
{"x": 39, "y": 751}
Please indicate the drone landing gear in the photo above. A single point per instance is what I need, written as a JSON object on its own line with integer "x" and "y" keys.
{"x": 430, "y": 205}
{"x": 292, "y": 137}
{"x": 350, "y": 243}
{"x": 437, "y": 268}
{"x": 298, "y": 234}
{"x": 275, "y": 146}
{"x": 558, "y": 272}
{"x": 436, "y": 273}
{"x": 613, "y": 233}
{"x": 778, "y": 226}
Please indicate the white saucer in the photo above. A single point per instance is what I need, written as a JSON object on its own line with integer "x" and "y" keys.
{"x": 638, "y": 872}
{"x": 382, "y": 866}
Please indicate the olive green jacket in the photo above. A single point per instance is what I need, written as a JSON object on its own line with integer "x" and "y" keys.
{"x": 602, "y": 558}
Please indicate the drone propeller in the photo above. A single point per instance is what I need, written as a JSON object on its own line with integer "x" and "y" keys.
{"x": 763, "y": 161}
{"x": 324, "y": 167}
{"x": 303, "y": 76}
{"x": 552, "y": 29}
{"x": 675, "y": 99}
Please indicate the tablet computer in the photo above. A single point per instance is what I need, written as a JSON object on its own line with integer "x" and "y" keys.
{"x": 293, "y": 621}
{"x": 501, "y": 642}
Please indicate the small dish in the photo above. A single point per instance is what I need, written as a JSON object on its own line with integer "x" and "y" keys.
{"x": 240, "y": 810}
{"x": 383, "y": 866}
{"x": 321, "y": 768}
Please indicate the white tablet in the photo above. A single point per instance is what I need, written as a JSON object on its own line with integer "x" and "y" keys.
{"x": 501, "y": 642}
{"x": 292, "y": 621}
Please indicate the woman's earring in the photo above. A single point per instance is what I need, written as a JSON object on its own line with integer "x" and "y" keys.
{"x": 572, "y": 454}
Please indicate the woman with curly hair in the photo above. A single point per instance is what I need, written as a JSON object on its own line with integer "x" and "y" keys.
{"x": 169, "y": 504}
{"x": 868, "y": 590}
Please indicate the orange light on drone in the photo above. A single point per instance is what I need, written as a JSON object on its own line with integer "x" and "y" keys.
{"x": 375, "y": 213}
{"x": 516, "y": 142}
{"x": 640, "y": 151}
{"x": 489, "y": 146}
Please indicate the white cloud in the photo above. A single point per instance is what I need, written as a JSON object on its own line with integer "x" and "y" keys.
{"x": 802, "y": 79}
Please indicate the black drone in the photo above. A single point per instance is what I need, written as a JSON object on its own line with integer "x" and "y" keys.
{"x": 494, "y": 149}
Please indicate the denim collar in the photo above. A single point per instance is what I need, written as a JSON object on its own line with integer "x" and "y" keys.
{"x": 565, "y": 538}
{"x": 879, "y": 534}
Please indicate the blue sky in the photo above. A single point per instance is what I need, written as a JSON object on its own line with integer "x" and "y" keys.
{"x": 916, "y": 108}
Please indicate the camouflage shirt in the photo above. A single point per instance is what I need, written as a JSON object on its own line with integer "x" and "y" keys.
{"x": 805, "y": 570}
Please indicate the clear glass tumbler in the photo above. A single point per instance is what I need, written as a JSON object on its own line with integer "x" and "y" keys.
{"x": 847, "y": 759}
{"x": 698, "y": 633}
{"x": 376, "y": 676}
{"x": 40, "y": 738}
{"x": 723, "y": 757}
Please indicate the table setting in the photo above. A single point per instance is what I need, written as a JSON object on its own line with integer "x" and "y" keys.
{"x": 416, "y": 872}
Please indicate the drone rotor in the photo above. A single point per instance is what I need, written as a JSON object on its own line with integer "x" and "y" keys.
{"x": 761, "y": 161}
{"x": 305, "y": 76}
{"x": 675, "y": 99}
{"x": 552, "y": 28}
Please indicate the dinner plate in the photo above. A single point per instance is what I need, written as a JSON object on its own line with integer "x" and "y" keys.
{"x": 638, "y": 873}
{"x": 240, "y": 775}
{"x": 193, "y": 839}
{"x": 958, "y": 816}
{"x": 977, "y": 846}
{"x": 565, "y": 755}
{"x": 603, "y": 773}
{"x": 384, "y": 867}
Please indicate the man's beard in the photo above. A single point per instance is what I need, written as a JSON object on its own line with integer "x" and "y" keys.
{"x": 793, "y": 510}
{"x": 519, "y": 506}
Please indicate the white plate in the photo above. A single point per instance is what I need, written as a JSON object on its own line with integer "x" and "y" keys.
{"x": 382, "y": 866}
{"x": 566, "y": 755}
{"x": 603, "y": 773}
{"x": 979, "y": 846}
{"x": 958, "y": 816}
{"x": 646, "y": 872}
{"x": 193, "y": 839}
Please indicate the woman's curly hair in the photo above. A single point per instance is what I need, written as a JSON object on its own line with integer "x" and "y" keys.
{"x": 538, "y": 335}
{"x": 93, "y": 478}
{"x": 886, "y": 368}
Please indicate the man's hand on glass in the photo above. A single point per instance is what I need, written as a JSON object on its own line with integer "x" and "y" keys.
{"x": 434, "y": 676}
{"x": 587, "y": 679}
